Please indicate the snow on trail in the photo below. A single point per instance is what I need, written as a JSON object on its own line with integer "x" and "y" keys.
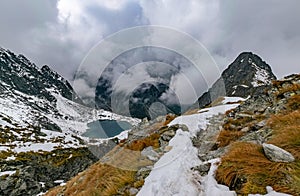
{"x": 172, "y": 174}
{"x": 196, "y": 122}
{"x": 211, "y": 186}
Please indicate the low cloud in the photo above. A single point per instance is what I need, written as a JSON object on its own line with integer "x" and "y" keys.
{"x": 61, "y": 32}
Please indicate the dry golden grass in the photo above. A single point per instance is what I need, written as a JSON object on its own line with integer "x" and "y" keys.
{"x": 139, "y": 145}
{"x": 286, "y": 131}
{"x": 246, "y": 169}
{"x": 125, "y": 159}
{"x": 114, "y": 171}
{"x": 169, "y": 118}
{"x": 294, "y": 102}
{"x": 228, "y": 112}
{"x": 138, "y": 183}
{"x": 233, "y": 124}
{"x": 100, "y": 179}
{"x": 277, "y": 83}
{"x": 226, "y": 137}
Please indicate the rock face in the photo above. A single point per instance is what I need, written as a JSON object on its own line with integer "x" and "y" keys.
{"x": 38, "y": 172}
{"x": 247, "y": 75}
{"x": 22, "y": 75}
{"x": 277, "y": 154}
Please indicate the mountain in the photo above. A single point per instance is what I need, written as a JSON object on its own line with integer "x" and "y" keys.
{"x": 236, "y": 147}
{"x": 21, "y": 75}
{"x": 141, "y": 100}
{"x": 247, "y": 75}
{"x": 42, "y": 122}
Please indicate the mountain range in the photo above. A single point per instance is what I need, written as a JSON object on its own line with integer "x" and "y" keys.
{"x": 47, "y": 133}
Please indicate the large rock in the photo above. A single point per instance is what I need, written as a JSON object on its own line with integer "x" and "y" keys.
{"x": 277, "y": 154}
{"x": 150, "y": 153}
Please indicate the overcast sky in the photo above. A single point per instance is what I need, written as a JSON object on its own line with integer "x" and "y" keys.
{"x": 61, "y": 32}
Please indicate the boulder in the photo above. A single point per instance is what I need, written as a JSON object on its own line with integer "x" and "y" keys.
{"x": 133, "y": 191}
{"x": 277, "y": 154}
{"x": 150, "y": 153}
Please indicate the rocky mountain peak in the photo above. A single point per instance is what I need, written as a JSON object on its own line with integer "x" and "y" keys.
{"x": 248, "y": 74}
{"x": 47, "y": 71}
{"x": 20, "y": 74}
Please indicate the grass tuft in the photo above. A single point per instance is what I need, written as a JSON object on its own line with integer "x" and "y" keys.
{"x": 294, "y": 102}
{"x": 226, "y": 137}
{"x": 169, "y": 118}
{"x": 99, "y": 179}
{"x": 139, "y": 145}
{"x": 245, "y": 169}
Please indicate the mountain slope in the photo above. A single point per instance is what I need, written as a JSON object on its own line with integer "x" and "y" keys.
{"x": 20, "y": 74}
{"x": 194, "y": 153}
{"x": 42, "y": 98}
{"x": 41, "y": 123}
{"x": 248, "y": 74}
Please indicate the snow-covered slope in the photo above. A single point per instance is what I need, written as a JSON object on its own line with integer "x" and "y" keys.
{"x": 53, "y": 124}
{"x": 39, "y": 109}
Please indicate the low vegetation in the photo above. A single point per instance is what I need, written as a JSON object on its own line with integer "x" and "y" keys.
{"x": 226, "y": 137}
{"x": 101, "y": 179}
{"x": 245, "y": 169}
{"x": 139, "y": 145}
{"x": 169, "y": 118}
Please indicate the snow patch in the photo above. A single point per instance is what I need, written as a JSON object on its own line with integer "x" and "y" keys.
{"x": 7, "y": 173}
{"x": 60, "y": 182}
{"x": 196, "y": 122}
{"x": 35, "y": 147}
{"x": 261, "y": 76}
{"x": 270, "y": 192}
{"x": 210, "y": 184}
{"x": 42, "y": 184}
{"x": 11, "y": 158}
{"x": 245, "y": 86}
{"x": 4, "y": 148}
{"x": 232, "y": 99}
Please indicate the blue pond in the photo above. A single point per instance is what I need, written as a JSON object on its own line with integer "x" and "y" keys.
{"x": 106, "y": 128}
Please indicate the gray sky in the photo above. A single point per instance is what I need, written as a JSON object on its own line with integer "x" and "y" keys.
{"x": 61, "y": 32}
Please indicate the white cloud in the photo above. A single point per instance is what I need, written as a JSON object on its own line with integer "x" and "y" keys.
{"x": 60, "y": 33}
{"x": 183, "y": 15}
